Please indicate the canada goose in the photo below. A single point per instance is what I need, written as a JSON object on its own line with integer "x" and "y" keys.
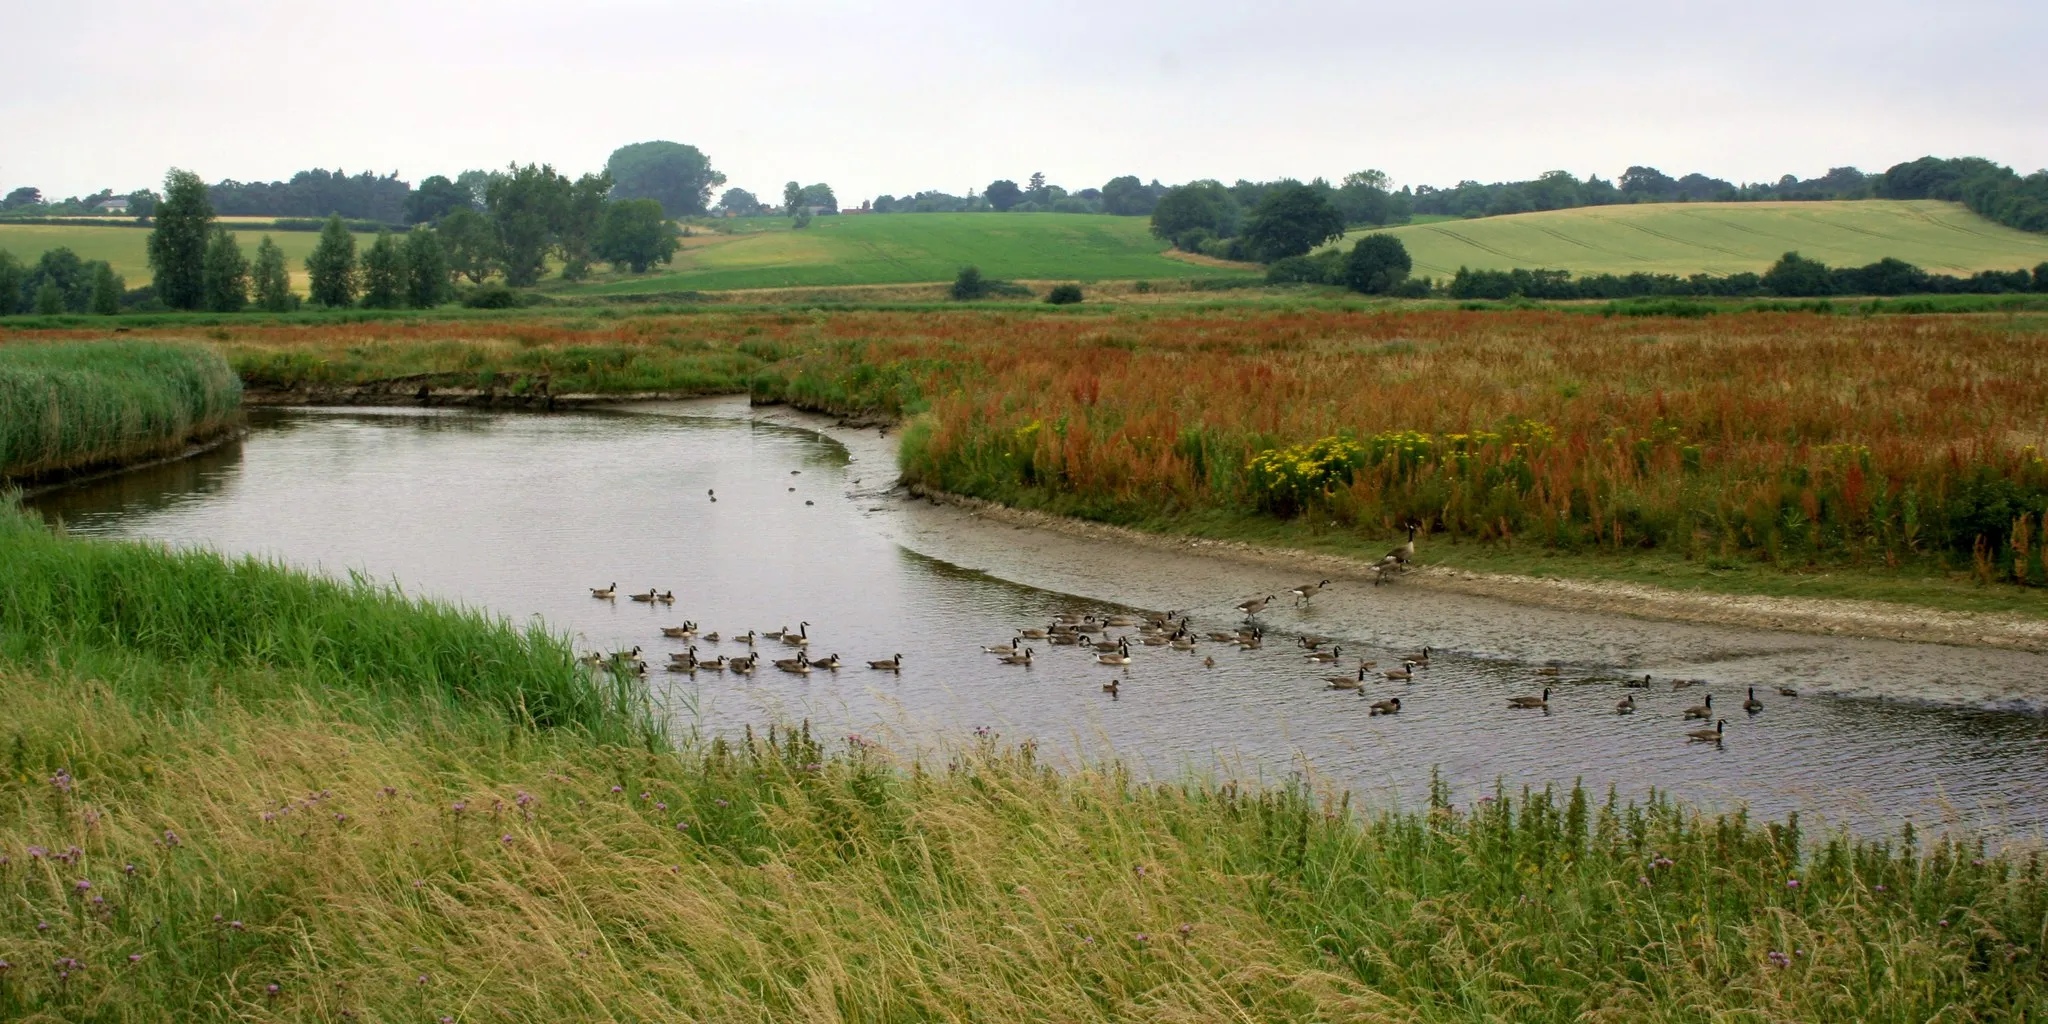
{"x": 894, "y": 664}
{"x": 1420, "y": 659}
{"x": 1064, "y": 639}
{"x": 1637, "y": 684}
{"x": 831, "y": 662}
{"x": 1326, "y": 657}
{"x": 683, "y": 666}
{"x": 1390, "y": 706}
{"x": 1157, "y": 640}
{"x": 745, "y": 638}
{"x": 1531, "y": 702}
{"x": 1786, "y": 691}
{"x": 606, "y": 594}
{"x": 796, "y": 665}
{"x": 1712, "y": 735}
{"x": 1406, "y": 552}
{"x": 802, "y": 637}
{"x": 745, "y": 664}
{"x": 1183, "y": 642}
{"x": 772, "y": 634}
{"x": 1626, "y": 706}
{"x": 1701, "y": 710}
{"x": 1111, "y": 687}
{"x": 711, "y": 637}
{"x": 1120, "y": 621}
{"x": 1347, "y": 682}
{"x": 1379, "y": 572}
{"x": 1106, "y": 645}
{"x": 1032, "y": 634}
{"x": 1681, "y": 684}
{"x": 1223, "y": 638}
{"x": 689, "y": 655}
{"x": 1121, "y": 657}
{"x": 593, "y": 658}
{"x": 647, "y": 598}
{"x": 1308, "y": 643}
{"x": 1254, "y": 606}
{"x": 1752, "y": 705}
{"x": 1307, "y": 590}
{"x": 1252, "y": 643}
{"x": 1090, "y": 626}
{"x": 667, "y": 597}
{"x": 1209, "y": 661}
{"x": 716, "y": 664}
{"x": 682, "y": 632}
{"x": 1022, "y": 657}
{"x": 1404, "y": 673}
{"x": 1008, "y": 648}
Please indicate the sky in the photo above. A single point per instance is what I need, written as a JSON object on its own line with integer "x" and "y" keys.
{"x": 880, "y": 97}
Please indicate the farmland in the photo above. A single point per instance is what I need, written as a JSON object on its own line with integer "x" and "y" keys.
{"x": 1722, "y": 238}
{"x": 126, "y": 246}
{"x": 900, "y": 248}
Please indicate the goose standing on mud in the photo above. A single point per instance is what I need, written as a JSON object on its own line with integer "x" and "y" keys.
{"x": 1307, "y": 590}
{"x": 1404, "y": 554}
{"x": 1253, "y": 607}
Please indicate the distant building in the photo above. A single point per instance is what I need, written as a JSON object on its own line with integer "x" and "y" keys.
{"x": 113, "y": 206}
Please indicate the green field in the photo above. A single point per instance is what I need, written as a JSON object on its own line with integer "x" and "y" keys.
{"x": 127, "y": 247}
{"x": 1723, "y": 238}
{"x": 908, "y": 247}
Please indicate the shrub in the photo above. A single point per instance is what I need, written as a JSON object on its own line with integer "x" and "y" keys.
{"x": 1377, "y": 264}
{"x": 1321, "y": 268}
{"x": 491, "y": 295}
{"x": 968, "y": 285}
{"x": 1064, "y": 295}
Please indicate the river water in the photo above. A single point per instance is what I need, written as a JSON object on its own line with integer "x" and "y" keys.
{"x": 523, "y": 513}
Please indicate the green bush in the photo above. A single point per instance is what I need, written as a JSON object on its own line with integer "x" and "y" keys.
{"x": 491, "y": 295}
{"x": 1064, "y": 295}
{"x": 968, "y": 285}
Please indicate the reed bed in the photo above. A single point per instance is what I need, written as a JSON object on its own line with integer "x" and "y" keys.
{"x": 290, "y": 864}
{"x": 104, "y": 605}
{"x": 69, "y": 406}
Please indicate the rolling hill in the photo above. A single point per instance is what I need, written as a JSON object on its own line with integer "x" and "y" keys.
{"x": 1722, "y": 238}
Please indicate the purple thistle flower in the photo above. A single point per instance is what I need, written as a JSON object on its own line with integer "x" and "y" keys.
{"x": 720, "y": 801}
{"x": 506, "y": 839}
{"x": 42, "y": 926}
{"x": 644, "y": 795}
{"x": 339, "y": 817}
{"x": 523, "y": 799}
{"x": 1943, "y": 922}
{"x": 61, "y": 781}
{"x": 682, "y": 826}
{"x": 1792, "y": 883}
{"x": 82, "y": 885}
{"x": 1142, "y": 937}
{"x": 236, "y": 925}
{"x": 272, "y": 989}
{"x": 618, "y": 789}
{"x": 423, "y": 979}
{"x": 1642, "y": 879}
{"x": 134, "y": 958}
{"x": 5, "y": 967}
{"x": 35, "y": 852}
{"x": 461, "y": 806}
{"x": 171, "y": 838}
{"x": 1880, "y": 888}
{"x": 660, "y": 806}
{"x": 1779, "y": 959}
{"x": 1187, "y": 929}
{"x": 417, "y": 882}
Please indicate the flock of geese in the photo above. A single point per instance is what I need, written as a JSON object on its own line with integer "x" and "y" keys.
{"x": 1174, "y": 631}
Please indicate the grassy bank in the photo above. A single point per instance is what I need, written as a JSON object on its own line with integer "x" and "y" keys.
{"x": 68, "y": 406}
{"x": 295, "y": 864}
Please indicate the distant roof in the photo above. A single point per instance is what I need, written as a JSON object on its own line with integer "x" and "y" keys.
{"x": 113, "y": 204}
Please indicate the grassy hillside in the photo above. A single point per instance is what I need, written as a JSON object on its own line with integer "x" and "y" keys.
{"x": 126, "y": 247}
{"x": 898, "y": 248}
{"x": 1723, "y": 238}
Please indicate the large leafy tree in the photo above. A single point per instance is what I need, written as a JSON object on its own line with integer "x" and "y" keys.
{"x": 1127, "y": 197}
{"x": 62, "y": 272}
{"x": 526, "y": 206}
{"x": 636, "y": 235}
{"x": 227, "y": 273}
{"x": 1794, "y": 274}
{"x": 1002, "y": 194}
{"x": 471, "y": 244}
{"x": 740, "y": 203}
{"x": 177, "y": 245}
{"x": 332, "y": 266}
{"x": 1377, "y": 264}
{"x": 434, "y": 199}
{"x": 107, "y": 288}
{"x": 383, "y": 273}
{"x": 11, "y": 275}
{"x": 1197, "y": 205}
{"x": 677, "y": 176}
{"x": 273, "y": 281}
{"x": 426, "y": 269}
{"x": 581, "y": 217}
{"x": 1291, "y": 220}
{"x": 26, "y": 195}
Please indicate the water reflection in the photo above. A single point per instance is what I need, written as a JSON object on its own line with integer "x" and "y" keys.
{"x": 523, "y": 513}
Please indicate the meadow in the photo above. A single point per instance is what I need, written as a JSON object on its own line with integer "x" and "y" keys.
{"x": 866, "y": 249}
{"x": 70, "y": 406}
{"x": 364, "y": 821}
{"x": 1721, "y": 238}
{"x": 126, "y": 247}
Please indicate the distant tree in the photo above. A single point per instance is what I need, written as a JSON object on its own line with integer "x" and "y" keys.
{"x": 636, "y": 235}
{"x": 1036, "y": 184}
{"x": 581, "y": 216}
{"x": 1377, "y": 265}
{"x": 332, "y": 266}
{"x": 471, "y": 244}
{"x": 1795, "y": 275}
{"x": 1127, "y": 197}
{"x": 142, "y": 205}
{"x": 273, "y": 281}
{"x": 1647, "y": 184}
{"x": 802, "y": 219}
{"x": 820, "y": 198}
{"x": 792, "y": 197}
{"x": 968, "y": 284}
{"x": 526, "y": 206}
{"x": 11, "y": 275}
{"x": 426, "y": 269}
{"x": 740, "y": 203}
{"x": 23, "y": 196}
{"x": 477, "y": 186}
{"x": 1002, "y": 194}
{"x": 107, "y": 288}
{"x": 70, "y": 275}
{"x": 177, "y": 245}
{"x": 49, "y": 299}
{"x": 226, "y": 278}
{"x": 1290, "y": 220}
{"x": 384, "y": 273}
{"x": 2040, "y": 278}
{"x": 435, "y": 198}
{"x": 677, "y": 176}
{"x": 1197, "y": 205}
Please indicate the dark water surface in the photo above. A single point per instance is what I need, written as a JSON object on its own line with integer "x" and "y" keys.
{"x": 523, "y": 513}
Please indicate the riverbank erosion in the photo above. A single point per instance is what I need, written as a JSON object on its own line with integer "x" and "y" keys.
{"x": 68, "y": 409}
{"x": 237, "y": 792}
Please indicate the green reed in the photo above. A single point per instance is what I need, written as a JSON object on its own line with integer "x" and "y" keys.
{"x": 74, "y": 405}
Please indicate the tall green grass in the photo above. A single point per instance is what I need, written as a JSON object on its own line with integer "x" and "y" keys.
{"x": 103, "y": 604}
{"x": 74, "y": 405}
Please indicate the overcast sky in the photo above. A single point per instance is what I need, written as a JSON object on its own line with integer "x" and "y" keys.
{"x": 876, "y": 97}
